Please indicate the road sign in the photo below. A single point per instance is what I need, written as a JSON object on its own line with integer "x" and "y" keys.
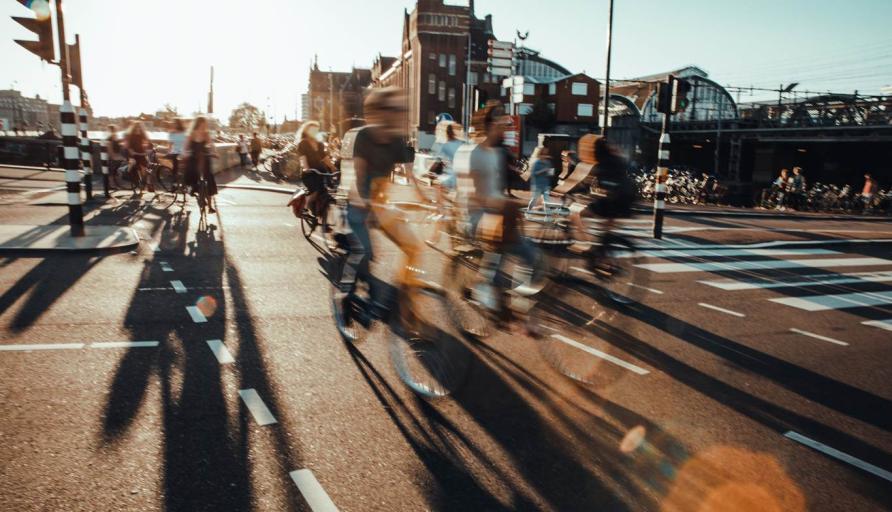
{"x": 501, "y": 63}
{"x": 501, "y": 54}
{"x": 505, "y": 45}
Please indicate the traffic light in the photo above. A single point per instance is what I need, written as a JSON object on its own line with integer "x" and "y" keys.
{"x": 74, "y": 64}
{"x": 42, "y": 25}
{"x": 664, "y": 98}
{"x": 680, "y": 90}
{"x": 481, "y": 97}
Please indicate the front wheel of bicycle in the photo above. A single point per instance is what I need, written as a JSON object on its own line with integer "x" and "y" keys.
{"x": 166, "y": 178}
{"x": 348, "y": 310}
{"x": 427, "y": 358}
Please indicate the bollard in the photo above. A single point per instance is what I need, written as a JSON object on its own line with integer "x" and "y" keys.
{"x": 103, "y": 156}
{"x": 70, "y": 162}
{"x": 660, "y": 184}
{"x": 86, "y": 161}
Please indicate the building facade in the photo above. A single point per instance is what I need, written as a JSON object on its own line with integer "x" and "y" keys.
{"x": 333, "y": 98}
{"x": 21, "y": 113}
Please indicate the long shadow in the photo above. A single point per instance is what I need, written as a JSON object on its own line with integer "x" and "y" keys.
{"x": 206, "y": 442}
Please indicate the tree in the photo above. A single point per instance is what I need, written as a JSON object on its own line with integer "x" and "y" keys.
{"x": 246, "y": 117}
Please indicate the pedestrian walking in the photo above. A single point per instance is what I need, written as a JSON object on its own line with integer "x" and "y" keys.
{"x": 256, "y": 148}
{"x": 797, "y": 188}
{"x": 243, "y": 151}
{"x": 199, "y": 150}
{"x": 541, "y": 175}
{"x": 177, "y": 138}
{"x": 869, "y": 190}
{"x": 780, "y": 186}
{"x": 115, "y": 150}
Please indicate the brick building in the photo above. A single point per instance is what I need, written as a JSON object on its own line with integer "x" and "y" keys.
{"x": 335, "y": 97}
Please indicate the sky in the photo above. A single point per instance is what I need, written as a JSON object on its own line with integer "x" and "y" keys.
{"x": 139, "y": 55}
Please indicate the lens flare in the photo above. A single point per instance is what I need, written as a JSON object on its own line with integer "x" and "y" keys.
{"x": 207, "y": 305}
{"x": 633, "y": 439}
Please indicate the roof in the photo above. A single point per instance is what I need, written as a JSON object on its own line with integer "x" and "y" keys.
{"x": 681, "y": 72}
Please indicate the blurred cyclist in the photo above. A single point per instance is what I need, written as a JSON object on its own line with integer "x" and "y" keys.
{"x": 377, "y": 149}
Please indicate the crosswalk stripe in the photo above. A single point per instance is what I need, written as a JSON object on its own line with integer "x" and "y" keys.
{"x": 684, "y": 253}
{"x": 882, "y": 324}
{"x": 807, "y": 280}
{"x": 838, "y": 301}
{"x": 716, "y": 266}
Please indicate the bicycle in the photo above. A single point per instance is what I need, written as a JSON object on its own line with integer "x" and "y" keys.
{"x": 330, "y": 218}
{"x": 204, "y": 201}
{"x": 427, "y": 359}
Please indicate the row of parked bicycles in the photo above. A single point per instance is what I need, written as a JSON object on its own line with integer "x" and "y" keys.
{"x": 684, "y": 186}
{"x": 829, "y": 198}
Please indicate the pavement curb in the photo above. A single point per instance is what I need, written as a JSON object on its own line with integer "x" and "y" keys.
{"x": 54, "y": 238}
{"x": 761, "y": 214}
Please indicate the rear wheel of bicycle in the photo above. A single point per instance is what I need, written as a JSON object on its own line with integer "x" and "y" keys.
{"x": 308, "y": 225}
{"x": 427, "y": 358}
{"x": 166, "y": 178}
{"x": 619, "y": 273}
{"x": 462, "y": 275}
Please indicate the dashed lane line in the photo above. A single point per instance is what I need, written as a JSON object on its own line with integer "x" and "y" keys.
{"x": 312, "y": 491}
{"x": 196, "y": 314}
{"x": 721, "y": 310}
{"x": 220, "y": 351}
{"x": 178, "y": 286}
{"x": 168, "y": 288}
{"x": 836, "y": 454}
{"x": 77, "y": 346}
{"x": 818, "y": 337}
{"x": 603, "y": 355}
{"x": 882, "y": 324}
{"x": 259, "y": 410}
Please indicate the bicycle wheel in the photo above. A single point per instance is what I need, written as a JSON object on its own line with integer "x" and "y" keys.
{"x": 308, "y": 225}
{"x": 165, "y": 178}
{"x": 462, "y": 275}
{"x": 427, "y": 358}
{"x": 619, "y": 273}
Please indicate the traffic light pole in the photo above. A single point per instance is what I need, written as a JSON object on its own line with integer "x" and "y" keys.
{"x": 661, "y": 177}
{"x": 86, "y": 154}
{"x": 71, "y": 154}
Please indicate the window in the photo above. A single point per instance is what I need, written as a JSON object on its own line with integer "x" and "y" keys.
{"x": 431, "y": 83}
{"x": 551, "y": 107}
{"x": 442, "y": 60}
{"x": 584, "y": 109}
{"x": 431, "y": 116}
{"x": 451, "y": 97}
{"x": 473, "y": 78}
{"x": 579, "y": 89}
{"x": 442, "y": 92}
{"x": 552, "y": 89}
{"x": 529, "y": 89}
{"x": 432, "y": 56}
{"x": 452, "y": 65}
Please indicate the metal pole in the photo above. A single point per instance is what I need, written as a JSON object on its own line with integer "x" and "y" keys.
{"x": 607, "y": 79}
{"x": 86, "y": 156}
{"x": 661, "y": 177}
{"x": 718, "y": 134}
{"x": 103, "y": 156}
{"x": 70, "y": 154}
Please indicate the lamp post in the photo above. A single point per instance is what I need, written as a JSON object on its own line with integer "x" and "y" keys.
{"x": 607, "y": 78}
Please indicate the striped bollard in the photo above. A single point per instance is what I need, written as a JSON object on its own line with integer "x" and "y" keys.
{"x": 71, "y": 163}
{"x": 86, "y": 158}
{"x": 660, "y": 185}
{"x": 103, "y": 157}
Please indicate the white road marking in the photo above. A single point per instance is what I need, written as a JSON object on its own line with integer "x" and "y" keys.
{"x": 836, "y": 454}
{"x": 716, "y": 266}
{"x": 685, "y": 253}
{"x": 818, "y": 337}
{"x": 167, "y": 288}
{"x": 840, "y": 301}
{"x": 124, "y": 344}
{"x": 774, "y": 243}
{"x": 178, "y": 286}
{"x": 259, "y": 410}
{"x": 603, "y": 355}
{"x": 196, "y": 314}
{"x": 165, "y": 266}
{"x": 882, "y": 324}
{"x": 220, "y": 351}
{"x": 41, "y": 346}
{"x": 721, "y": 310}
{"x": 312, "y": 491}
{"x": 807, "y": 280}
{"x": 652, "y": 290}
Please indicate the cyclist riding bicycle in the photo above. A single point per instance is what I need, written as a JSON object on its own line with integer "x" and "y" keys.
{"x": 137, "y": 144}
{"x": 314, "y": 159}
{"x": 377, "y": 148}
{"x": 614, "y": 191}
{"x": 198, "y": 151}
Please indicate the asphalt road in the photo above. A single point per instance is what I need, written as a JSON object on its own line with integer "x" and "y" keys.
{"x": 203, "y": 372}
